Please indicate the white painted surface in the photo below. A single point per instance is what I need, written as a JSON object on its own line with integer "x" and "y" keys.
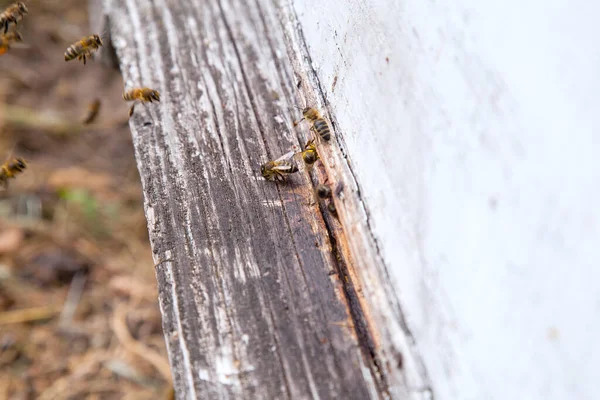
{"x": 475, "y": 147}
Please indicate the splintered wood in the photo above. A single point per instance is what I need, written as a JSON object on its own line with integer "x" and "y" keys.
{"x": 253, "y": 302}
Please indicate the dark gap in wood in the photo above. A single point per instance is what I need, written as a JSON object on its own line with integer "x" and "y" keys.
{"x": 365, "y": 341}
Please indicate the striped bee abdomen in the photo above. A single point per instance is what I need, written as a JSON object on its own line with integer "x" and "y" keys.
{"x": 322, "y": 128}
{"x": 73, "y": 52}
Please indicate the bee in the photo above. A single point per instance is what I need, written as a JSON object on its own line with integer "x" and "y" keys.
{"x": 10, "y": 169}
{"x": 318, "y": 124}
{"x": 84, "y": 48}
{"x": 14, "y": 14}
{"x": 140, "y": 94}
{"x": 323, "y": 191}
{"x": 9, "y": 39}
{"x": 332, "y": 209}
{"x": 276, "y": 170}
{"x": 309, "y": 154}
{"x": 92, "y": 113}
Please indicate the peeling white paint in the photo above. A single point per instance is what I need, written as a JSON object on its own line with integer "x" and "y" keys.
{"x": 203, "y": 374}
{"x": 245, "y": 339}
{"x": 238, "y": 266}
{"x": 151, "y": 218}
{"x": 272, "y": 203}
{"x": 226, "y": 369}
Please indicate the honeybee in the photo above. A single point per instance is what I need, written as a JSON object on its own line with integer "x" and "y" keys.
{"x": 276, "y": 170}
{"x": 140, "y": 94}
{"x": 14, "y": 13}
{"x": 10, "y": 169}
{"x": 84, "y": 48}
{"x": 332, "y": 209}
{"x": 9, "y": 39}
{"x": 318, "y": 124}
{"x": 309, "y": 154}
{"x": 323, "y": 191}
{"x": 92, "y": 113}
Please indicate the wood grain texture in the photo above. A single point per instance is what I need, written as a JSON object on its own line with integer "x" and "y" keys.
{"x": 257, "y": 284}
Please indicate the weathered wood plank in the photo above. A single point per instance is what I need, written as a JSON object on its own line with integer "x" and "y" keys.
{"x": 255, "y": 298}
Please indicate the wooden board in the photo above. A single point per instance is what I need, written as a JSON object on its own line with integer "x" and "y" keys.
{"x": 258, "y": 288}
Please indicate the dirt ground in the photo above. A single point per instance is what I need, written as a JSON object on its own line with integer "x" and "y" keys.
{"x": 79, "y": 317}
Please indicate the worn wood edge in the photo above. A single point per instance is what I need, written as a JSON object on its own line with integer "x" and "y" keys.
{"x": 164, "y": 261}
{"x": 394, "y": 351}
{"x": 99, "y": 22}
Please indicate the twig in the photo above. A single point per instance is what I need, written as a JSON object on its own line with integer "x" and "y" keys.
{"x": 28, "y": 118}
{"x": 23, "y": 117}
{"x": 126, "y": 371}
{"x": 73, "y": 298}
{"x": 122, "y": 333}
{"x": 28, "y": 315}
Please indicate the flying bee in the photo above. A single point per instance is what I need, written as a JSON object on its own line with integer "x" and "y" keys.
{"x": 276, "y": 170}
{"x": 323, "y": 191}
{"x": 84, "y": 48}
{"x": 92, "y": 112}
{"x": 142, "y": 95}
{"x": 9, "y": 39}
{"x": 10, "y": 169}
{"x": 318, "y": 123}
{"x": 14, "y": 13}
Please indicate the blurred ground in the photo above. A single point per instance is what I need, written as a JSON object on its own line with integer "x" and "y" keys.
{"x": 78, "y": 312}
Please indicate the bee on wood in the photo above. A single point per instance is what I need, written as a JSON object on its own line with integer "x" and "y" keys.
{"x": 84, "y": 48}
{"x": 323, "y": 191}
{"x": 92, "y": 112}
{"x": 332, "y": 209}
{"x": 309, "y": 154}
{"x": 276, "y": 170}
{"x": 318, "y": 123}
{"x": 9, "y": 39}
{"x": 14, "y": 13}
{"x": 142, "y": 95}
{"x": 10, "y": 169}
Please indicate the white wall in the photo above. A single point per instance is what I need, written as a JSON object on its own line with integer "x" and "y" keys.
{"x": 475, "y": 145}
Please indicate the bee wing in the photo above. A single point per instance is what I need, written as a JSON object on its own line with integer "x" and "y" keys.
{"x": 298, "y": 155}
{"x": 286, "y": 156}
{"x": 285, "y": 162}
{"x": 20, "y": 45}
{"x": 287, "y": 167}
